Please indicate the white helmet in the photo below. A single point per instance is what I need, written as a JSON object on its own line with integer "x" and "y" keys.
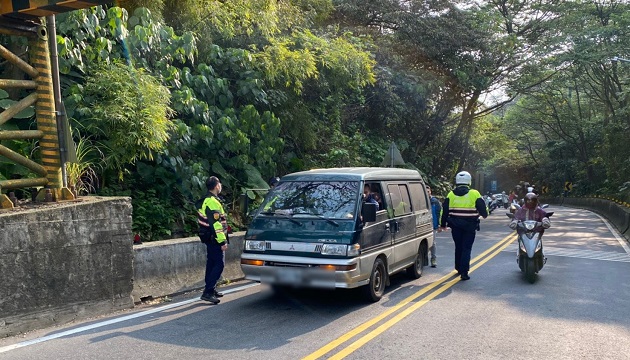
{"x": 463, "y": 178}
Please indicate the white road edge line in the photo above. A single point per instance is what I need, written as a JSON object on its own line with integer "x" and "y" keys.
{"x": 113, "y": 321}
{"x": 622, "y": 242}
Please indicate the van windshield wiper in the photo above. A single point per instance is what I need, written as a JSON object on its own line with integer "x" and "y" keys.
{"x": 317, "y": 215}
{"x": 283, "y": 214}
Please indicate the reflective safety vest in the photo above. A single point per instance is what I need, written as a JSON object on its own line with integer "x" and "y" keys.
{"x": 463, "y": 206}
{"x": 211, "y": 219}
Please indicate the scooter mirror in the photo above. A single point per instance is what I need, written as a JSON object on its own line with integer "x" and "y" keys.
{"x": 545, "y": 206}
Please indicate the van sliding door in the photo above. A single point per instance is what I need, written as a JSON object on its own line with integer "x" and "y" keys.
{"x": 403, "y": 224}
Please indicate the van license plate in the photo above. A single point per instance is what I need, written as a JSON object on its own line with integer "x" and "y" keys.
{"x": 289, "y": 276}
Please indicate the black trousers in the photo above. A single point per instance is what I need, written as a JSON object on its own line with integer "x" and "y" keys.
{"x": 214, "y": 267}
{"x": 464, "y": 240}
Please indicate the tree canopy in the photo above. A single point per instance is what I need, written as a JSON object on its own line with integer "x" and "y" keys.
{"x": 164, "y": 93}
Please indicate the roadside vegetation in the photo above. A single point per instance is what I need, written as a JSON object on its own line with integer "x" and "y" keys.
{"x": 163, "y": 93}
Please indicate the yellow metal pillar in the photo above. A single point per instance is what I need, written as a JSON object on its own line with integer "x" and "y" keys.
{"x": 46, "y": 116}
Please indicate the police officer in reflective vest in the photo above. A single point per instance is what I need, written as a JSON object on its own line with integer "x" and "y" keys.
{"x": 460, "y": 211}
{"x": 213, "y": 233}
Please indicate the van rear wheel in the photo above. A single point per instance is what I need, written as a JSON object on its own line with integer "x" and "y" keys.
{"x": 417, "y": 268}
{"x": 375, "y": 289}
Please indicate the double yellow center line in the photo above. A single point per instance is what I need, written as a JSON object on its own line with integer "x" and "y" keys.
{"x": 442, "y": 284}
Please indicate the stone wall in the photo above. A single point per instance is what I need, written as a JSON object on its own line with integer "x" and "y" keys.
{"x": 64, "y": 261}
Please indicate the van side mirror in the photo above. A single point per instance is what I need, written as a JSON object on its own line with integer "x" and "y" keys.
{"x": 368, "y": 211}
{"x": 243, "y": 204}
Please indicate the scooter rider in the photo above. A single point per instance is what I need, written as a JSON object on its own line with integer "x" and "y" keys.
{"x": 531, "y": 211}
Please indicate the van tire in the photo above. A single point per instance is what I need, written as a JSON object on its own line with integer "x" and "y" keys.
{"x": 375, "y": 289}
{"x": 417, "y": 268}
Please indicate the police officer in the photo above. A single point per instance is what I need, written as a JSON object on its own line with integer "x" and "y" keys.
{"x": 460, "y": 211}
{"x": 213, "y": 233}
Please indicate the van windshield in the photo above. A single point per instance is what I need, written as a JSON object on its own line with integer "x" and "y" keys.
{"x": 324, "y": 199}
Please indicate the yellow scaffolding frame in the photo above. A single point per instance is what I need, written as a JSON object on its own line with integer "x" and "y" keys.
{"x": 25, "y": 18}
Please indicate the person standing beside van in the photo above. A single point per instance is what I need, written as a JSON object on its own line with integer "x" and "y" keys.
{"x": 460, "y": 211}
{"x": 212, "y": 232}
{"x": 436, "y": 209}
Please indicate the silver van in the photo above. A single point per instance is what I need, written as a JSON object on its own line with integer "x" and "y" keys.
{"x": 340, "y": 228}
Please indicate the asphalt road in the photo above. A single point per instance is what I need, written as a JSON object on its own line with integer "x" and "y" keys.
{"x": 578, "y": 308}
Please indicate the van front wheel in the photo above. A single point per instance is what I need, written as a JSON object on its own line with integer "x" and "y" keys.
{"x": 375, "y": 289}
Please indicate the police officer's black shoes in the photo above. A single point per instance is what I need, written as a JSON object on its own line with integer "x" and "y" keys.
{"x": 218, "y": 294}
{"x": 465, "y": 276}
{"x": 210, "y": 298}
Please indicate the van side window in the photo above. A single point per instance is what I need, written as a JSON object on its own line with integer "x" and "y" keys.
{"x": 399, "y": 201}
{"x": 406, "y": 200}
{"x": 376, "y": 193}
{"x": 419, "y": 200}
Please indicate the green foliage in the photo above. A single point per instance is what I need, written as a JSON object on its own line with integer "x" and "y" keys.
{"x": 126, "y": 110}
{"x": 82, "y": 174}
{"x": 259, "y": 88}
{"x": 154, "y": 217}
{"x": 154, "y": 6}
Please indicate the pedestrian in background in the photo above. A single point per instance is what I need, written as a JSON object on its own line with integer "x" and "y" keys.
{"x": 460, "y": 211}
{"x": 213, "y": 233}
{"x": 436, "y": 209}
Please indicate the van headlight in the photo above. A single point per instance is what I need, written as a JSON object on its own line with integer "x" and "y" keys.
{"x": 253, "y": 245}
{"x": 334, "y": 249}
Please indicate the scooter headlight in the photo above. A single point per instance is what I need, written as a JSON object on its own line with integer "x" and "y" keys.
{"x": 522, "y": 246}
{"x": 539, "y": 245}
{"x": 530, "y": 225}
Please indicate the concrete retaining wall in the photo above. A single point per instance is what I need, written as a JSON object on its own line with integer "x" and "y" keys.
{"x": 64, "y": 261}
{"x": 619, "y": 216}
{"x": 173, "y": 266}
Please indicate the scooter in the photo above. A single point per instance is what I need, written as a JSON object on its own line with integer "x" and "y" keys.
{"x": 493, "y": 205}
{"x": 530, "y": 255}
